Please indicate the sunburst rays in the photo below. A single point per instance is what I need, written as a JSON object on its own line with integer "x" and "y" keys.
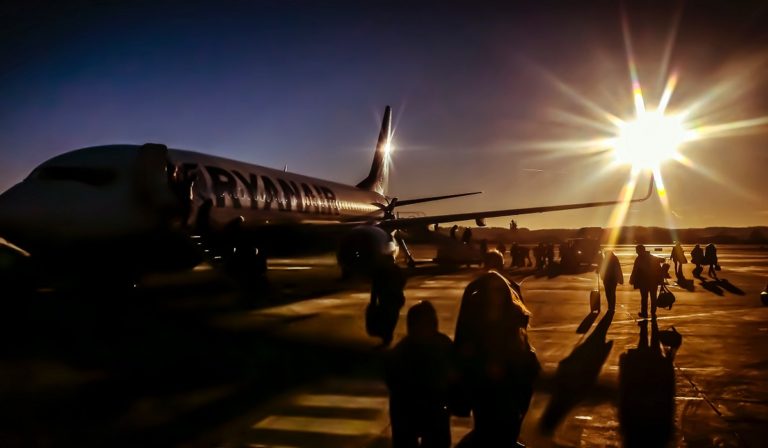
{"x": 659, "y": 134}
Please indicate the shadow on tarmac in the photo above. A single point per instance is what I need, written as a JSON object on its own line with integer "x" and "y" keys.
{"x": 720, "y": 286}
{"x": 685, "y": 283}
{"x": 712, "y": 286}
{"x": 577, "y": 374}
{"x": 647, "y": 388}
{"x": 137, "y": 368}
{"x": 730, "y": 287}
{"x": 586, "y": 324}
{"x": 135, "y": 360}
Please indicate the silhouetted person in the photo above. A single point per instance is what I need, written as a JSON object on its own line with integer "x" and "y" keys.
{"x": 538, "y": 254}
{"x": 387, "y": 297}
{"x": 646, "y": 276}
{"x": 697, "y": 258}
{"x": 241, "y": 257}
{"x": 647, "y": 389}
{"x": 501, "y": 247}
{"x": 526, "y": 255}
{"x": 678, "y": 258}
{"x": 710, "y": 258}
{"x": 494, "y": 260}
{"x": 497, "y": 363}
{"x": 514, "y": 252}
{"x": 566, "y": 256}
{"x": 466, "y": 237}
{"x": 484, "y": 246}
{"x": 181, "y": 187}
{"x": 610, "y": 270}
{"x": 550, "y": 254}
{"x": 453, "y": 231}
{"x": 420, "y": 372}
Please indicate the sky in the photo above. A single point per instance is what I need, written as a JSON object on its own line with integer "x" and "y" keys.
{"x": 494, "y": 98}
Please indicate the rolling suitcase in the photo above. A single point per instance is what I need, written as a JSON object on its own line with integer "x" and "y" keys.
{"x": 594, "y": 298}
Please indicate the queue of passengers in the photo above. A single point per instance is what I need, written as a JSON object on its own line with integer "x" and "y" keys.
{"x": 520, "y": 256}
{"x": 489, "y": 369}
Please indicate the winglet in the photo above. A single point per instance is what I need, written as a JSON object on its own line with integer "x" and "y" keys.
{"x": 650, "y": 192}
{"x": 377, "y": 177}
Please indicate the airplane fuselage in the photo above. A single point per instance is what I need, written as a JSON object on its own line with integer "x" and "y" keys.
{"x": 264, "y": 196}
{"x": 119, "y": 206}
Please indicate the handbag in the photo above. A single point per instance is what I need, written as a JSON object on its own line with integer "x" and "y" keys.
{"x": 718, "y": 268}
{"x": 665, "y": 298}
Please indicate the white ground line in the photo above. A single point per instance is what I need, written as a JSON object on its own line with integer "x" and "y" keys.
{"x": 711, "y": 313}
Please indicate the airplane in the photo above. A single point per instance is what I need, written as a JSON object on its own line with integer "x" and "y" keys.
{"x": 133, "y": 209}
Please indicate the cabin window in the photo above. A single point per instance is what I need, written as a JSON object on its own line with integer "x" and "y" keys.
{"x": 98, "y": 177}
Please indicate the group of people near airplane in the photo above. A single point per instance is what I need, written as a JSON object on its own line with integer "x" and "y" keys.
{"x": 489, "y": 368}
{"x": 649, "y": 273}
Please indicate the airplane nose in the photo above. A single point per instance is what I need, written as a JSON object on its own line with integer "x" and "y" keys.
{"x": 12, "y": 219}
{"x": 32, "y": 216}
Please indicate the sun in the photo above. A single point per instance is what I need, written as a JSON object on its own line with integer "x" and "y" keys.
{"x": 650, "y": 139}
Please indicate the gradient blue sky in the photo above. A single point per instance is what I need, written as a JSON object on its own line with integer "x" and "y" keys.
{"x": 475, "y": 93}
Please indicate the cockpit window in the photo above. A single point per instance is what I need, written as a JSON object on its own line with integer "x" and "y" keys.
{"x": 87, "y": 175}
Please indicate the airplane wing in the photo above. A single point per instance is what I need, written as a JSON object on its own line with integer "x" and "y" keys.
{"x": 404, "y": 202}
{"x": 389, "y": 208}
{"x": 427, "y": 220}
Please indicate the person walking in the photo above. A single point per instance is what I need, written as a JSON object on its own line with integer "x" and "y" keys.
{"x": 646, "y": 276}
{"x": 387, "y": 298}
{"x": 610, "y": 271}
{"x": 514, "y": 251}
{"x": 538, "y": 254}
{"x": 466, "y": 237}
{"x": 496, "y": 361}
{"x": 678, "y": 258}
{"x": 501, "y": 247}
{"x": 420, "y": 372}
{"x": 550, "y": 254}
{"x": 697, "y": 258}
{"x": 710, "y": 258}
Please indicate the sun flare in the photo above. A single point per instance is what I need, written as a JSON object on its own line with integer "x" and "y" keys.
{"x": 655, "y": 133}
{"x": 650, "y": 139}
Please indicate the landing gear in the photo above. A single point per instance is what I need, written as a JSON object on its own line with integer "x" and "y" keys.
{"x": 246, "y": 261}
{"x": 247, "y": 266}
{"x": 408, "y": 257}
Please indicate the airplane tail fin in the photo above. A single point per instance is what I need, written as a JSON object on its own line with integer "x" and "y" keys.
{"x": 377, "y": 178}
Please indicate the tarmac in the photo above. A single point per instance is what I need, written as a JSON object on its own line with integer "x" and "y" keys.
{"x": 301, "y": 372}
{"x": 721, "y": 396}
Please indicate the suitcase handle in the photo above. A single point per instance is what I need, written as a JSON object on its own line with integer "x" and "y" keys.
{"x": 598, "y": 280}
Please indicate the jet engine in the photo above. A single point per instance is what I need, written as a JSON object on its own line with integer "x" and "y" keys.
{"x": 363, "y": 247}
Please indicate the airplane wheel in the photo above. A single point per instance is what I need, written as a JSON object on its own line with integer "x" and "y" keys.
{"x": 247, "y": 262}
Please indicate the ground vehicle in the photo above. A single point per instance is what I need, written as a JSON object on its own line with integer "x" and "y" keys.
{"x": 579, "y": 252}
{"x": 456, "y": 253}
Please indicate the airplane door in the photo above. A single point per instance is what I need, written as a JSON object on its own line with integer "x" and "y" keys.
{"x": 158, "y": 185}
